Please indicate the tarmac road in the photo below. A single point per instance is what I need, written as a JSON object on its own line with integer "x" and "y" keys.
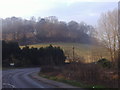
{"x": 19, "y": 78}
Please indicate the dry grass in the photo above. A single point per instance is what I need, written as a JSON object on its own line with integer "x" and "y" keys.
{"x": 91, "y": 74}
{"x": 87, "y": 74}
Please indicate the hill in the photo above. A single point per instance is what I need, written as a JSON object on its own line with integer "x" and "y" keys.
{"x": 83, "y": 52}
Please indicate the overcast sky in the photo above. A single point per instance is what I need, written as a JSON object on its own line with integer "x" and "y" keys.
{"x": 65, "y": 10}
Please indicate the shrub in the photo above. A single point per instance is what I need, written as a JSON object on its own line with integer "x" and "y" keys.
{"x": 105, "y": 63}
{"x": 46, "y": 69}
{"x": 82, "y": 72}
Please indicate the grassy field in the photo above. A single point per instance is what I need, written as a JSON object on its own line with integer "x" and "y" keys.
{"x": 90, "y": 53}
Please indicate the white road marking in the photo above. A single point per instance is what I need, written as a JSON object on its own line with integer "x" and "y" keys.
{"x": 7, "y": 84}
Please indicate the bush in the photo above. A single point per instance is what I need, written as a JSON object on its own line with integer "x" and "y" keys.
{"x": 91, "y": 74}
{"x": 46, "y": 69}
{"x": 82, "y": 72}
{"x": 11, "y": 52}
{"x": 105, "y": 63}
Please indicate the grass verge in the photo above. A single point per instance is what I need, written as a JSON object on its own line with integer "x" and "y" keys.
{"x": 70, "y": 82}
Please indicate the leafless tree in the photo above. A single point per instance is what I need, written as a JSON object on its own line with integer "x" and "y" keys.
{"x": 108, "y": 32}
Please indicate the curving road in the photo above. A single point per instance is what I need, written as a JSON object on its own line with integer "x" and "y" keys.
{"x": 19, "y": 78}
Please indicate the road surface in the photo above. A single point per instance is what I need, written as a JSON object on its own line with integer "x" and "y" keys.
{"x": 19, "y": 78}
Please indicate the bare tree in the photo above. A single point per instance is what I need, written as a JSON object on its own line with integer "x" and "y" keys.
{"x": 108, "y": 32}
{"x": 119, "y": 42}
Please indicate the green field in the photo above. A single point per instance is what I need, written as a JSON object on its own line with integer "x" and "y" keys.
{"x": 90, "y": 53}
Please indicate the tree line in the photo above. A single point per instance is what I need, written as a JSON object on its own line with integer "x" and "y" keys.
{"x": 12, "y": 53}
{"x": 48, "y": 29}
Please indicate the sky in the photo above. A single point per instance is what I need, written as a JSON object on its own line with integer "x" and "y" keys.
{"x": 87, "y": 11}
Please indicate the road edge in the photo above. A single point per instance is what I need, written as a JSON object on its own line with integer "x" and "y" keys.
{"x": 51, "y": 82}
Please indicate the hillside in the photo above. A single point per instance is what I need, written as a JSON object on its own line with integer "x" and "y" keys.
{"x": 83, "y": 52}
{"x": 48, "y": 29}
